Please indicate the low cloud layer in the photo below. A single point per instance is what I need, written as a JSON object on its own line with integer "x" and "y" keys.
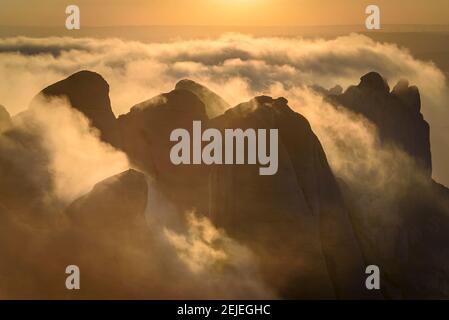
{"x": 137, "y": 70}
{"x": 230, "y": 268}
{"x": 77, "y": 158}
{"x": 235, "y": 66}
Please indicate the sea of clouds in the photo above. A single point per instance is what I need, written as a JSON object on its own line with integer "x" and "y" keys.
{"x": 237, "y": 67}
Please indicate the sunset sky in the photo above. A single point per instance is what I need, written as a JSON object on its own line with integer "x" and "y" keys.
{"x": 221, "y": 12}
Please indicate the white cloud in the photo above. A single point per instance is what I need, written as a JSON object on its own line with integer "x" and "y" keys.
{"x": 235, "y": 66}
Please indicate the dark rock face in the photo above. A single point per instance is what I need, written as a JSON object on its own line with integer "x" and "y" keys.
{"x": 425, "y": 268}
{"x": 310, "y": 241}
{"x": 215, "y": 105}
{"x": 5, "y": 119}
{"x": 146, "y": 133}
{"x": 88, "y": 93}
{"x": 111, "y": 240}
{"x": 406, "y": 234}
{"x": 116, "y": 202}
{"x": 300, "y": 207}
{"x": 407, "y": 238}
{"x": 22, "y": 151}
{"x": 374, "y": 81}
{"x": 296, "y": 220}
{"x": 397, "y": 114}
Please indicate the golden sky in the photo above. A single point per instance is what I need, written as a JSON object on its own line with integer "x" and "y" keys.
{"x": 221, "y": 12}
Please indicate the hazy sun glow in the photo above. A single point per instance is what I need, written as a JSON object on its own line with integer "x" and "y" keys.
{"x": 222, "y": 12}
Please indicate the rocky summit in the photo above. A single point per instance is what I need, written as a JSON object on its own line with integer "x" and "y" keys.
{"x": 299, "y": 233}
{"x": 396, "y": 114}
{"x": 88, "y": 93}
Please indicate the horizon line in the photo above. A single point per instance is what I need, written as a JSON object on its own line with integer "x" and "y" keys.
{"x": 221, "y": 26}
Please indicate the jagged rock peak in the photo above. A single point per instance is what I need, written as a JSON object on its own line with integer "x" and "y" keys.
{"x": 266, "y": 100}
{"x": 146, "y": 132}
{"x": 409, "y": 95}
{"x": 263, "y": 105}
{"x": 396, "y": 114}
{"x": 178, "y": 99}
{"x": 374, "y": 80}
{"x": 87, "y": 92}
{"x": 402, "y": 85}
{"x": 84, "y": 89}
{"x": 215, "y": 105}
